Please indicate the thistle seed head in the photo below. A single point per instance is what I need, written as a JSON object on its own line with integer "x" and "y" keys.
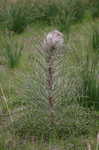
{"x": 54, "y": 39}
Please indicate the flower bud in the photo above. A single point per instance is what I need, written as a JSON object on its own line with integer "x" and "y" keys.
{"x": 54, "y": 39}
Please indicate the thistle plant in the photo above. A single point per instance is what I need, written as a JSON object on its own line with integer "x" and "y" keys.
{"x": 52, "y": 43}
{"x": 48, "y": 95}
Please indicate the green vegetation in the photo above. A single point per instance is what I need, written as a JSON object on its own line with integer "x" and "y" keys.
{"x": 17, "y": 16}
{"x": 11, "y": 50}
{"x": 27, "y": 119}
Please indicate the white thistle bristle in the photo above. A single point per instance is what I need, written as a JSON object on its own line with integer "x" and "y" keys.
{"x": 54, "y": 39}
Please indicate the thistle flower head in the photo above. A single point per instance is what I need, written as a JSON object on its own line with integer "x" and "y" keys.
{"x": 54, "y": 39}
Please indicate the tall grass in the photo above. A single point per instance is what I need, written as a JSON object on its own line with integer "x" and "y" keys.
{"x": 86, "y": 63}
{"x": 94, "y": 8}
{"x": 90, "y": 72}
{"x": 17, "y": 16}
{"x": 12, "y": 50}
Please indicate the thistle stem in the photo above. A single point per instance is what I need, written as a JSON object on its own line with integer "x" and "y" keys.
{"x": 50, "y": 85}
